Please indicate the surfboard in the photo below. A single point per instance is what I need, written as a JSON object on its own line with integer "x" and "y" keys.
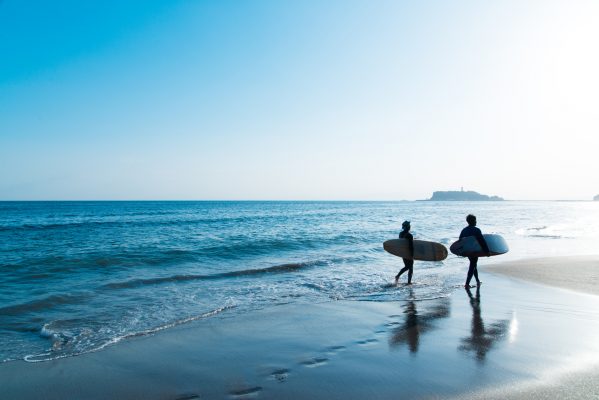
{"x": 423, "y": 250}
{"x": 469, "y": 246}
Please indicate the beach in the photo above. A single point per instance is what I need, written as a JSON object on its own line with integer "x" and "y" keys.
{"x": 579, "y": 273}
{"x": 573, "y": 273}
{"x": 221, "y": 200}
{"x": 511, "y": 339}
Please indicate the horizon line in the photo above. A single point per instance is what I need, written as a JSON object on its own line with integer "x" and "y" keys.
{"x": 285, "y": 200}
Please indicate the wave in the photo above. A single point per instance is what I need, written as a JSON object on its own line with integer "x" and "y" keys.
{"x": 236, "y": 249}
{"x": 38, "y": 227}
{"x": 118, "y": 220}
{"x": 283, "y": 268}
{"x": 57, "y": 264}
{"x": 47, "y": 303}
{"x": 80, "y": 260}
{"x": 258, "y": 247}
{"x": 64, "y": 346}
{"x": 545, "y": 232}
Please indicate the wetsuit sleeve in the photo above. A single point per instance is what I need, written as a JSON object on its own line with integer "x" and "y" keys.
{"x": 410, "y": 243}
{"x": 481, "y": 240}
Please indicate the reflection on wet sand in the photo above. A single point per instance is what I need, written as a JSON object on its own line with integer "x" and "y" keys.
{"x": 417, "y": 323}
{"x": 482, "y": 338}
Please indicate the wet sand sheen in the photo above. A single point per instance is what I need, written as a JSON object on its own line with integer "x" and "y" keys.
{"x": 579, "y": 273}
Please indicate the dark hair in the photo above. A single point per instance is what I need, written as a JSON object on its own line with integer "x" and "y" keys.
{"x": 471, "y": 219}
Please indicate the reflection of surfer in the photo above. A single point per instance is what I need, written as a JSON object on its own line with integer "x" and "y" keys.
{"x": 408, "y": 262}
{"x": 411, "y": 327}
{"x": 481, "y": 340}
{"x": 472, "y": 230}
{"x": 418, "y": 323}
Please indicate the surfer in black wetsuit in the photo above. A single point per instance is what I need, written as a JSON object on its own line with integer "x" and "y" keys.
{"x": 407, "y": 262}
{"x": 472, "y": 230}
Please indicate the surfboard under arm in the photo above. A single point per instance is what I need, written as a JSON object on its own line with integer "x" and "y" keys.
{"x": 423, "y": 249}
{"x": 469, "y": 246}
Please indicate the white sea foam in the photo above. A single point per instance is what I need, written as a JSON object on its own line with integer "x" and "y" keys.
{"x": 93, "y": 346}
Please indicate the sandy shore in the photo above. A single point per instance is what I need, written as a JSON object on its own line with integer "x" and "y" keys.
{"x": 510, "y": 339}
{"x": 579, "y": 273}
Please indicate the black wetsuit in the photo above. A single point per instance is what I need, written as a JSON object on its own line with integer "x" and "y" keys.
{"x": 472, "y": 270}
{"x": 408, "y": 263}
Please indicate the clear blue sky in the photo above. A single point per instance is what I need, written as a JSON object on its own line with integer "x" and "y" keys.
{"x": 298, "y": 99}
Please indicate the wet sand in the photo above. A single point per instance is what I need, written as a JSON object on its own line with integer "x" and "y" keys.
{"x": 510, "y": 339}
{"x": 579, "y": 273}
{"x": 576, "y": 273}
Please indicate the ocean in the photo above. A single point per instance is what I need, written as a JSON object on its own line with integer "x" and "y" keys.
{"x": 79, "y": 276}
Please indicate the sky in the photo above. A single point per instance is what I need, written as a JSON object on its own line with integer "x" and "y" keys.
{"x": 298, "y": 100}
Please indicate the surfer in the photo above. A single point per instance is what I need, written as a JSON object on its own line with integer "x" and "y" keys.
{"x": 472, "y": 230}
{"x": 407, "y": 262}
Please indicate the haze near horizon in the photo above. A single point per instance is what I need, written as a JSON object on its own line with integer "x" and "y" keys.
{"x": 279, "y": 100}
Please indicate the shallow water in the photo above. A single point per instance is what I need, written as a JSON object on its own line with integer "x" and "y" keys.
{"x": 77, "y": 276}
{"x": 507, "y": 338}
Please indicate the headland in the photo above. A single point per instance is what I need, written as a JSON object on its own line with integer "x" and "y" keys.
{"x": 461, "y": 195}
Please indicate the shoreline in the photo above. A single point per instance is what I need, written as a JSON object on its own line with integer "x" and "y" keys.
{"x": 476, "y": 344}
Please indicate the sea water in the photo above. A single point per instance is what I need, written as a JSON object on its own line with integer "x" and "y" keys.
{"x": 79, "y": 276}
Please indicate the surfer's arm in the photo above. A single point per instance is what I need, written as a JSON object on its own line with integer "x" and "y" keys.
{"x": 483, "y": 243}
{"x": 411, "y": 244}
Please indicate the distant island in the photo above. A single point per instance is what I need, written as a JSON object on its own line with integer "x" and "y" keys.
{"x": 463, "y": 196}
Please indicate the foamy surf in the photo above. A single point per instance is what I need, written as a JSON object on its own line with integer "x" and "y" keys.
{"x": 58, "y": 338}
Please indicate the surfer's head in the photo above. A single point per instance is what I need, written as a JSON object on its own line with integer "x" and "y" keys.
{"x": 405, "y": 225}
{"x": 471, "y": 219}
